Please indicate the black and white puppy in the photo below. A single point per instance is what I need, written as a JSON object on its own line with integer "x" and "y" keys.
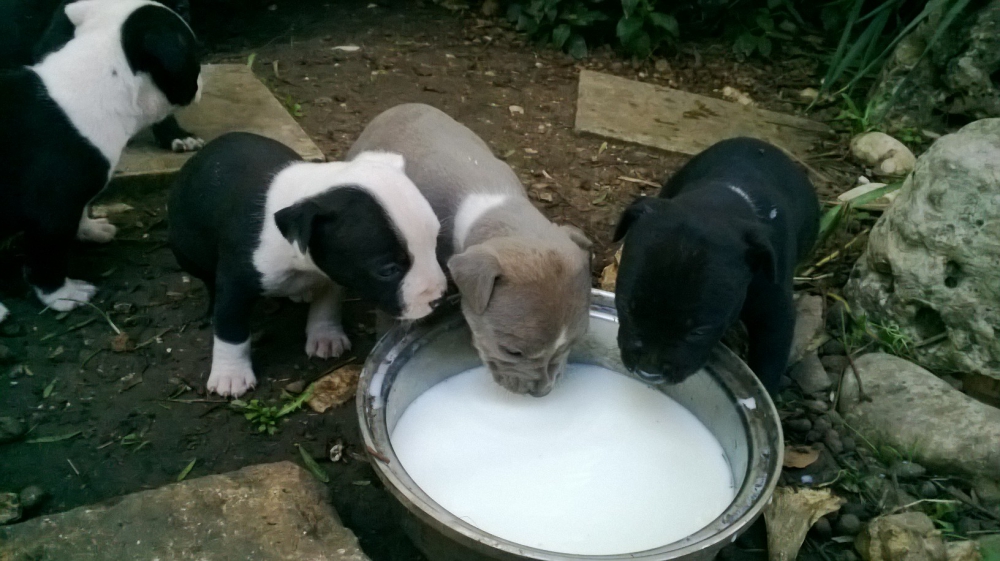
{"x": 67, "y": 119}
{"x": 250, "y": 218}
{"x": 719, "y": 244}
{"x": 30, "y": 30}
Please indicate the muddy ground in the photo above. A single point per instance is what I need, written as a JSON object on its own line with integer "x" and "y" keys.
{"x": 138, "y": 417}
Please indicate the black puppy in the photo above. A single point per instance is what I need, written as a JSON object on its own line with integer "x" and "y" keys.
{"x": 67, "y": 119}
{"x": 250, "y": 218}
{"x": 719, "y": 244}
{"x": 32, "y": 29}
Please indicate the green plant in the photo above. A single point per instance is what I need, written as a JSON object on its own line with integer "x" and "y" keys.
{"x": 561, "y": 22}
{"x": 293, "y": 106}
{"x": 263, "y": 417}
{"x": 860, "y": 120}
{"x": 642, "y": 29}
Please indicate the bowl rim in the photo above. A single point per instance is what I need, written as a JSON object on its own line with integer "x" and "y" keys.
{"x": 764, "y": 438}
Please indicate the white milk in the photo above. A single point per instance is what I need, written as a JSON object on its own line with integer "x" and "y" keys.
{"x": 602, "y": 465}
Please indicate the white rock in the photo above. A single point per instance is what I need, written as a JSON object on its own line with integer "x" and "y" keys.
{"x": 886, "y": 155}
{"x": 901, "y": 537}
{"x": 809, "y": 325}
{"x": 917, "y": 413}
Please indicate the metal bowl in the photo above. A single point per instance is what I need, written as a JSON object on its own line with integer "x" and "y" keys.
{"x": 727, "y": 398}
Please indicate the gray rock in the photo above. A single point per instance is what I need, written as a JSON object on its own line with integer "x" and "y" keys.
{"x": 835, "y": 364}
{"x": 799, "y": 425}
{"x": 10, "y": 429}
{"x": 963, "y": 551}
{"x": 848, "y": 525}
{"x": 883, "y": 153}
{"x": 31, "y": 496}
{"x": 10, "y": 510}
{"x": 832, "y": 347}
{"x": 913, "y": 410}
{"x": 908, "y": 470}
{"x": 272, "y": 511}
{"x": 808, "y": 325}
{"x": 933, "y": 258}
{"x": 901, "y": 537}
{"x": 928, "y": 490}
{"x": 810, "y": 375}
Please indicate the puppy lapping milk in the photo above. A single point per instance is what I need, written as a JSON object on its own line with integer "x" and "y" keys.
{"x": 719, "y": 244}
{"x": 249, "y": 218}
{"x": 524, "y": 281}
{"x": 67, "y": 120}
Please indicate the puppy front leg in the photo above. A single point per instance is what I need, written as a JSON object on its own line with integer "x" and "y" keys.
{"x": 97, "y": 230}
{"x": 232, "y": 372}
{"x": 325, "y": 337}
{"x": 170, "y": 135}
{"x": 47, "y": 255}
{"x": 769, "y": 315}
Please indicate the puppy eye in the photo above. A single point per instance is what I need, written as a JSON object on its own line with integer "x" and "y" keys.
{"x": 511, "y": 352}
{"x": 388, "y": 271}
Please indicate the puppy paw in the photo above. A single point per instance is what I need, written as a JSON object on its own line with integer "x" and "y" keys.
{"x": 232, "y": 373}
{"x": 72, "y": 294}
{"x": 189, "y": 144}
{"x": 4, "y": 313}
{"x": 97, "y": 230}
{"x": 326, "y": 341}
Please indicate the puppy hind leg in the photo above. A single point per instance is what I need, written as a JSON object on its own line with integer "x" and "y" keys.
{"x": 47, "y": 256}
{"x": 232, "y": 372}
{"x": 97, "y": 230}
{"x": 325, "y": 337}
{"x": 769, "y": 316}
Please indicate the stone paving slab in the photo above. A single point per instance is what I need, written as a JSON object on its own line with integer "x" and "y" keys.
{"x": 269, "y": 512}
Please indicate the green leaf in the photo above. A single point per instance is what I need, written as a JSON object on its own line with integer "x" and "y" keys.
{"x": 765, "y": 22}
{"x": 296, "y": 403}
{"x": 250, "y": 59}
{"x": 666, "y": 22}
{"x": 989, "y": 548}
{"x": 772, "y": 4}
{"x": 642, "y": 45}
{"x": 629, "y": 29}
{"x": 56, "y": 438}
{"x": 560, "y": 35}
{"x": 184, "y": 473}
{"x": 48, "y": 389}
{"x": 764, "y": 46}
{"x": 629, "y": 6}
{"x": 312, "y": 466}
{"x": 577, "y": 47}
{"x": 745, "y": 44}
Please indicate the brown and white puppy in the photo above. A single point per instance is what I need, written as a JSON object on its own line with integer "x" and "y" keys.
{"x": 524, "y": 281}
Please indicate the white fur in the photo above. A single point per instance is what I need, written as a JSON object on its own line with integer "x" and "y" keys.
{"x": 744, "y": 195}
{"x": 4, "y": 313}
{"x": 91, "y": 81}
{"x": 97, "y": 230}
{"x": 232, "y": 373}
{"x": 189, "y": 144}
{"x": 469, "y": 212}
{"x": 286, "y": 270}
{"x": 72, "y": 294}
{"x": 325, "y": 337}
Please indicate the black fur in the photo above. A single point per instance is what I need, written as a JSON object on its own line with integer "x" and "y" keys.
{"x": 165, "y": 48}
{"x": 216, "y": 214}
{"x": 699, "y": 257}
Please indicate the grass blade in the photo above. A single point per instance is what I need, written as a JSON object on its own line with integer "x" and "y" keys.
{"x": 296, "y": 403}
{"x": 187, "y": 470}
{"x": 55, "y": 438}
{"x": 831, "y": 75}
{"x": 312, "y": 466}
{"x": 48, "y": 389}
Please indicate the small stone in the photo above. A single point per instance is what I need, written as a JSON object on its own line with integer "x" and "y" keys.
{"x": 987, "y": 491}
{"x": 296, "y": 386}
{"x": 886, "y": 155}
{"x": 848, "y": 525}
{"x": 808, "y": 325}
{"x": 850, "y": 445}
{"x": 848, "y": 555}
{"x": 10, "y": 429}
{"x": 662, "y": 65}
{"x": 813, "y": 436}
{"x": 908, "y": 470}
{"x": 832, "y": 441}
{"x": 835, "y": 364}
{"x": 832, "y": 347}
{"x": 822, "y": 528}
{"x": 816, "y": 406}
{"x": 617, "y": 66}
{"x": 822, "y": 424}
{"x": 809, "y": 94}
{"x": 810, "y": 375}
{"x": 32, "y": 496}
{"x": 836, "y": 319}
{"x": 10, "y": 508}
{"x": 858, "y": 510}
{"x": 799, "y": 425}
{"x": 928, "y": 490}
{"x": 964, "y": 551}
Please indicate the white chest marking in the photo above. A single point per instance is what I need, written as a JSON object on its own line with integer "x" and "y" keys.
{"x": 469, "y": 212}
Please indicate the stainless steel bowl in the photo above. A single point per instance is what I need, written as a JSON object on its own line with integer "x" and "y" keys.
{"x": 728, "y": 399}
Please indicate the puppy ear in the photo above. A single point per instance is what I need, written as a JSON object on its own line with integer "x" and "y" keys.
{"x": 760, "y": 253}
{"x": 638, "y": 207}
{"x": 385, "y": 158}
{"x": 296, "y": 223}
{"x": 475, "y": 272}
{"x": 578, "y": 237}
{"x": 77, "y": 11}
{"x": 158, "y": 42}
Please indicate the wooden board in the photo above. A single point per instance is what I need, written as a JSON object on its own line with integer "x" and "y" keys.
{"x": 679, "y": 121}
{"x": 232, "y": 99}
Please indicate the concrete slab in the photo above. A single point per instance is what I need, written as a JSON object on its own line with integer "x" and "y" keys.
{"x": 679, "y": 121}
{"x": 270, "y": 512}
{"x": 233, "y": 99}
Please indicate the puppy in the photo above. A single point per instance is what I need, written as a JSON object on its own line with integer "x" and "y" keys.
{"x": 719, "y": 244}
{"x": 250, "y": 218}
{"x": 524, "y": 281}
{"x": 32, "y": 29}
{"x": 67, "y": 119}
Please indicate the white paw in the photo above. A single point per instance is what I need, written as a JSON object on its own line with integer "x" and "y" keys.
{"x": 72, "y": 294}
{"x": 97, "y": 230}
{"x": 4, "y": 313}
{"x": 326, "y": 341}
{"x": 232, "y": 373}
{"x": 189, "y": 144}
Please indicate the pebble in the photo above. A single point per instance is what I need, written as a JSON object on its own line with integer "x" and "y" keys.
{"x": 10, "y": 429}
{"x": 32, "y": 496}
{"x": 908, "y": 470}
{"x": 823, "y": 529}
{"x": 835, "y": 318}
{"x": 833, "y": 347}
{"x": 799, "y": 425}
{"x": 10, "y": 508}
{"x": 813, "y": 436}
{"x": 848, "y": 555}
{"x": 849, "y": 443}
{"x": 296, "y": 386}
{"x": 848, "y": 525}
{"x": 662, "y": 65}
{"x": 832, "y": 441}
{"x": 856, "y": 509}
{"x": 928, "y": 490}
{"x": 835, "y": 364}
{"x": 816, "y": 406}
{"x": 822, "y": 425}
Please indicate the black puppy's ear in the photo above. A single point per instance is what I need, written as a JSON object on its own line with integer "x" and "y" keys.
{"x": 638, "y": 207}
{"x": 760, "y": 254}
{"x": 157, "y": 41}
{"x": 296, "y": 222}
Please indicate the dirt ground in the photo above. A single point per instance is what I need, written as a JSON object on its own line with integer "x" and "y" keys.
{"x": 142, "y": 416}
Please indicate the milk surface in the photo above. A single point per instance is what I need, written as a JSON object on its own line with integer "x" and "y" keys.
{"x": 602, "y": 465}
